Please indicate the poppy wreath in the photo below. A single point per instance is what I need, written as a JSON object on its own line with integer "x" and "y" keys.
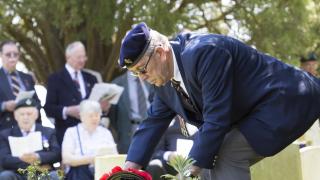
{"x": 118, "y": 173}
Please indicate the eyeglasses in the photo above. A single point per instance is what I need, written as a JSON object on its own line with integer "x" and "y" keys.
{"x": 142, "y": 70}
{"x": 12, "y": 55}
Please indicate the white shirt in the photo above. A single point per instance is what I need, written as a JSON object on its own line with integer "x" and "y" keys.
{"x": 72, "y": 71}
{"x": 91, "y": 143}
{"x": 25, "y": 133}
{"x": 176, "y": 72}
{"x": 133, "y": 95}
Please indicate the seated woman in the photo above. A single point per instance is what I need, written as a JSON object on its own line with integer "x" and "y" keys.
{"x": 82, "y": 143}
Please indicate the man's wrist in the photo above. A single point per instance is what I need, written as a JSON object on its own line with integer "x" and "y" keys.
{"x": 38, "y": 157}
{"x": 166, "y": 155}
{"x": 64, "y": 113}
{"x": 3, "y": 106}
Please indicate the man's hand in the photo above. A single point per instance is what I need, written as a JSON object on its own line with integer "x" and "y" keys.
{"x": 10, "y": 105}
{"x": 195, "y": 170}
{"x": 29, "y": 158}
{"x": 73, "y": 111}
{"x": 105, "y": 105}
{"x": 132, "y": 165}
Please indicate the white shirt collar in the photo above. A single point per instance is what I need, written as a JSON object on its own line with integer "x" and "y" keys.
{"x": 33, "y": 129}
{"x": 71, "y": 70}
{"x": 176, "y": 72}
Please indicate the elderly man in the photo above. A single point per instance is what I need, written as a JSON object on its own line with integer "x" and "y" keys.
{"x": 67, "y": 88}
{"x": 247, "y": 105}
{"x": 26, "y": 113}
{"x": 12, "y": 82}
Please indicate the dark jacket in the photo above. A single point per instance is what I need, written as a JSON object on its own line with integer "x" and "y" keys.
{"x": 49, "y": 155}
{"x": 6, "y": 94}
{"x": 61, "y": 92}
{"x": 231, "y": 84}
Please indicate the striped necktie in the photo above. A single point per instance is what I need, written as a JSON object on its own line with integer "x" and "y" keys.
{"x": 15, "y": 84}
{"x": 76, "y": 81}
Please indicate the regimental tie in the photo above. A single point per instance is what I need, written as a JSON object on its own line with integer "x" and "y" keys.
{"x": 186, "y": 104}
{"x": 76, "y": 81}
{"x": 15, "y": 84}
{"x": 142, "y": 101}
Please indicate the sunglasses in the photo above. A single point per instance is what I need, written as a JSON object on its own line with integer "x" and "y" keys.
{"x": 12, "y": 55}
{"x": 142, "y": 70}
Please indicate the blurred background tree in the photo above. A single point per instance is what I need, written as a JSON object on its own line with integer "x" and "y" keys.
{"x": 282, "y": 28}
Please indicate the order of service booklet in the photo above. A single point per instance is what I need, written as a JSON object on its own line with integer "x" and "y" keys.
{"x": 26, "y": 144}
{"x": 106, "y": 91}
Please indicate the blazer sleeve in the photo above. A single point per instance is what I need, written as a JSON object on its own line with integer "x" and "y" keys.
{"x": 8, "y": 161}
{"x": 53, "y": 153}
{"x": 215, "y": 74}
{"x": 52, "y": 107}
{"x": 149, "y": 132}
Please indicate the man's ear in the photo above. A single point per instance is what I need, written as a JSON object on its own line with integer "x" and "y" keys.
{"x": 160, "y": 52}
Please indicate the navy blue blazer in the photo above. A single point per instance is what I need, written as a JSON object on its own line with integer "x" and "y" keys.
{"x": 231, "y": 85}
{"x": 6, "y": 94}
{"x": 49, "y": 155}
{"x": 61, "y": 92}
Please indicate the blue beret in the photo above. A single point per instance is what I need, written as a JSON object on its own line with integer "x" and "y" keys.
{"x": 28, "y": 102}
{"x": 134, "y": 45}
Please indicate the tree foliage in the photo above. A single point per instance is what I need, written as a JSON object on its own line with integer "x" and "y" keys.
{"x": 285, "y": 29}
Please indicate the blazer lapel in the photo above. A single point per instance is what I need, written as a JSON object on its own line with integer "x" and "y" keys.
{"x": 16, "y": 132}
{"x": 5, "y": 86}
{"x": 25, "y": 81}
{"x": 66, "y": 78}
{"x": 88, "y": 85}
{"x": 176, "y": 48}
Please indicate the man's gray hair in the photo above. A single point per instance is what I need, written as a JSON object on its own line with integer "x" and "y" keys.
{"x": 89, "y": 106}
{"x": 71, "y": 46}
{"x": 156, "y": 40}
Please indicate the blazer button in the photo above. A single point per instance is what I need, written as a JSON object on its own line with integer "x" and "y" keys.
{"x": 74, "y": 100}
{"x": 8, "y": 119}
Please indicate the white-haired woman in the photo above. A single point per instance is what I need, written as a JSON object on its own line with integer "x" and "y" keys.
{"x": 83, "y": 142}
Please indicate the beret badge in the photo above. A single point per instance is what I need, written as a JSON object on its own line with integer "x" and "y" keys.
{"x": 28, "y": 102}
{"x": 128, "y": 61}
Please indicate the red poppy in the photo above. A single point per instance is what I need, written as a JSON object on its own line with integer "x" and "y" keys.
{"x": 117, "y": 169}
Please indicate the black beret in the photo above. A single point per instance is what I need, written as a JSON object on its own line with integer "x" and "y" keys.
{"x": 134, "y": 45}
{"x": 28, "y": 102}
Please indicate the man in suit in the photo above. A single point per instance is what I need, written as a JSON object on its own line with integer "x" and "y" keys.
{"x": 26, "y": 113}
{"x": 126, "y": 116}
{"x": 67, "y": 88}
{"x": 12, "y": 82}
{"x": 247, "y": 105}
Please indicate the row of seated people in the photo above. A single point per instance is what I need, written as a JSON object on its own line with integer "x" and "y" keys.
{"x": 66, "y": 88}
{"x": 81, "y": 144}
